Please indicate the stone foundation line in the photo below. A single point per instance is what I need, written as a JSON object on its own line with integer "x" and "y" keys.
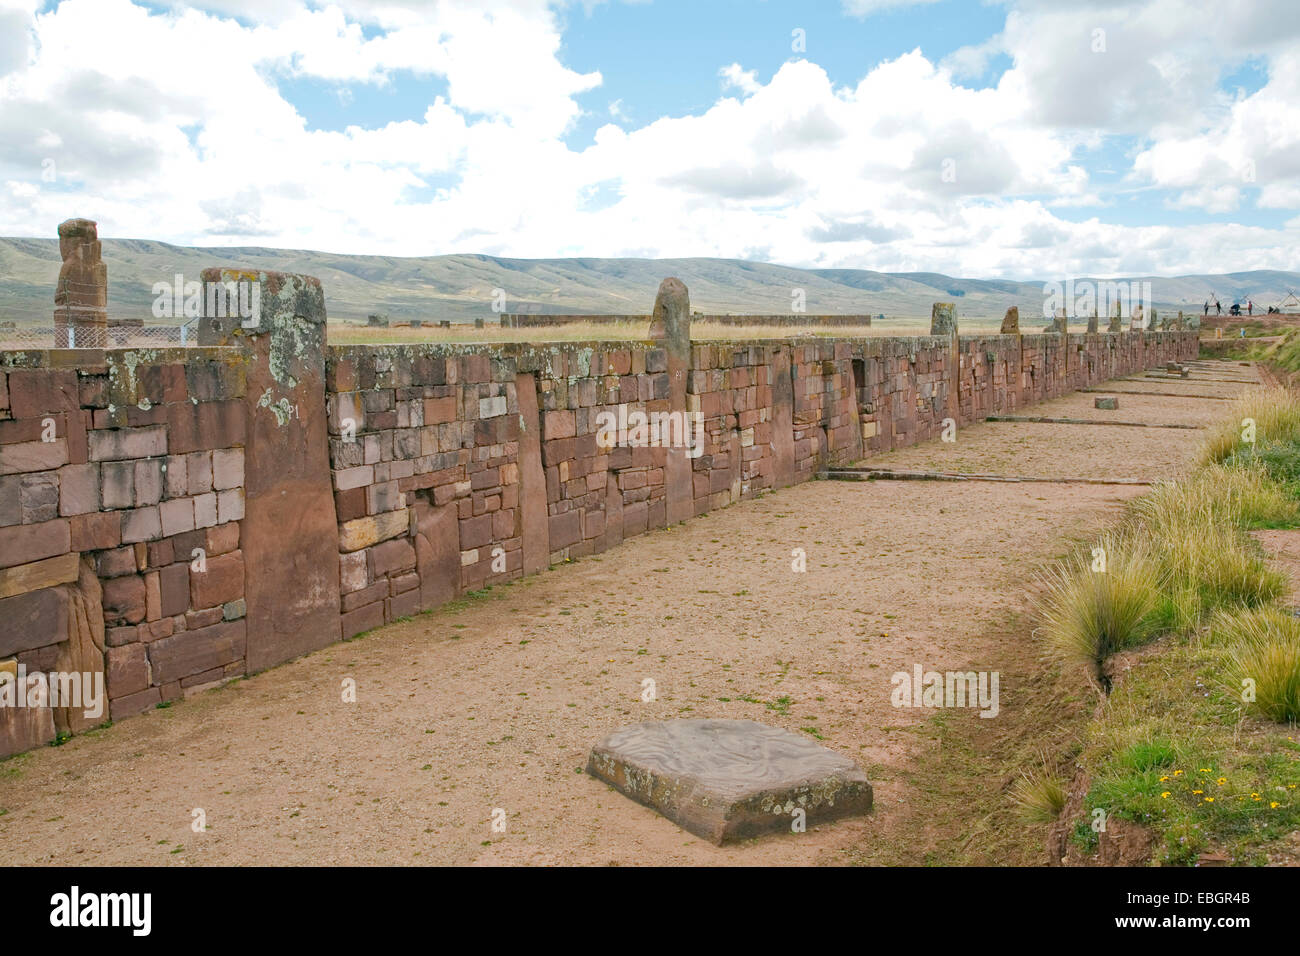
{"x": 1128, "y": 391}
{"x": 1031, "y": 419}
{"x": 899, "y": 474}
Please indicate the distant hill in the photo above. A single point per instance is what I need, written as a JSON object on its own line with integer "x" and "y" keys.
{"x": 460, "y": 287}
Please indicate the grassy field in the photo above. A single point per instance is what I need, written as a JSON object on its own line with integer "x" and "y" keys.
{"x": 341, "y": 333}
{"x": 1197, "y": 739}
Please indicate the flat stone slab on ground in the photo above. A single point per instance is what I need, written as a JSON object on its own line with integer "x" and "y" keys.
{"x": 1106, "y": 404}
{"x": 726, "y": 780}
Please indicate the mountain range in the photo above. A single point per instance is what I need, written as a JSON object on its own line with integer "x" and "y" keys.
{"x": 462, "y": 287}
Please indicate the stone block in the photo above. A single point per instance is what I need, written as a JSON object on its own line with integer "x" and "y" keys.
{"x": 23, "y": 544}
{"x": 228, "y": 468}
{"x": 38, "y": 497}
{"x": 177, "y": 516}
{"x": 22, "y": 457}
{"x": 230, "y": 505}
{"x": 364, "y": 532}
{"x": 78, "y": 489}
{"x": 222, "y": 582}
{"x": 1106, "y": 404}
{"x": 38, "y": 574}
{"x": 727, "y": 780}
{"x": 127, "y": 670}
{"x": 117, "y": 484}
{"x": 34, "y": 619}
{"x": 119, "y": 444}
{"x": 124, "y": 599}
{"x": 141, "y": 524}
{"x": 195, "y": 651}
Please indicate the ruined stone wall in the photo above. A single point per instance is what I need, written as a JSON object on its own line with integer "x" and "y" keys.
{"x": 116, "y": 474}
{"x": 455, "y": 466}
{"x": 332, "y": 489}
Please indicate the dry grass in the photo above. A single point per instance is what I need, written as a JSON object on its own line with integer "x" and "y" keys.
{"x": 1264, "y": 648}
{"x": 1040, "y": 794}
{"x": 1274, "y": 411}
{"x": 1090, "y": 614}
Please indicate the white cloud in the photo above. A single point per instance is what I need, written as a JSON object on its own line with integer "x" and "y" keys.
{"x": 744, "y": 80}
{"x": 171, "y": 126}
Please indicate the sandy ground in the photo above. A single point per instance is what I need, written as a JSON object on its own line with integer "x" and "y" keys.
{"x": 495, "y": 702}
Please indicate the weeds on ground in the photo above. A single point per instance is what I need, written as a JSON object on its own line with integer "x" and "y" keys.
{"x": 1199, "y": 740}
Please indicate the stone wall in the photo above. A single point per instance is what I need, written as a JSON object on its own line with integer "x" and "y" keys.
{"x": 453, "y": 464}
{"x": 522, "y": 320}
{"x": 120, "y": 476}
{"x": 172, "y": 519}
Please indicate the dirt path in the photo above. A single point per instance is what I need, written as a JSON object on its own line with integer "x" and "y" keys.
{"x": 494, "y": 702}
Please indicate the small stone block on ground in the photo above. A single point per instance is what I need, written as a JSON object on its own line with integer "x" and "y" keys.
{"x": 727, "y": 780}
{"x": 1106, "y": 404}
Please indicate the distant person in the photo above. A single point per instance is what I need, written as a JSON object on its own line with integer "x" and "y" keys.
{"x": 1236, "y": 309}
{"x": 1218, "y": 309}
{"x": 1243, "y": 332}
{"x": 1207, "y": 307}
{"x": 1250, "y": 307}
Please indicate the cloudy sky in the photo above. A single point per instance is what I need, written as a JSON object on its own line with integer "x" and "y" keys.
{"x": 1007, "y": 138}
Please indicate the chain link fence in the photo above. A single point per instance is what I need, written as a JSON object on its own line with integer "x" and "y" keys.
{"x": 118, "y": 335}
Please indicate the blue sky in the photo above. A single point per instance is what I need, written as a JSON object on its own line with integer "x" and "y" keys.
{"x": 1004, "y": 138}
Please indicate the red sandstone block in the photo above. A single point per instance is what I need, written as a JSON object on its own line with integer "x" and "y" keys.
{"x": 350, "y": 504}
{"x": 223, "y": 581}
{"x": 133, "y": 704}
{"x": 148, "y": 482}
{"x": 369, "y": 595}
{"x": 38, "y": 392}
{"x": 119, "y": 636}
{"x": 22, "y": 544}
{"x": 566, "y": 529}
{"x": 94, "y": 532}
{"x": 362, "y": 619}
{"x": 227, "y": 468}
{"x": 121, "y": 444}
{"x": 403, "y": 605}
{"x": 503, "y": 524}
{"x": 173, "y": 590}
{"x": 124, "y": 599}
{"x": 558, "y": 424}
{"x": 476, "y": 532}
{"x": 126, "y": 670}
{"x": 141, "y": 524}
{"x": 198, "y": 470}
{"x": 193, "y": 652}
{"x": 554, "y": 452}
{"x": 198, "y": 682}
{"x": 222, "y": 538}
{"x": 205, "y": 510}
{"x": 635, "y": 518}
{"x": 221, "y": 424}
{"x": 203, "y": 618}
{"x": 395, "y": 555}
{"x": 78, "y": 489}
{"x": 32, "y": 456}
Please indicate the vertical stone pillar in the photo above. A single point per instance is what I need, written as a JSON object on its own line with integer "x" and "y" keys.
{"x": 1010, "y": 321}
{"x": 670, "y": 323}
{"x": 943, "y": 318}
{"x": 289, "y": 534}
{"x": 1116, "y": 320}
{"x": 81, "y": 297}
{"x": 943, "y": 321}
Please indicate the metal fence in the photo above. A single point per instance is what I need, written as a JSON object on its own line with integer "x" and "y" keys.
{"x": 16, "y": 337}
